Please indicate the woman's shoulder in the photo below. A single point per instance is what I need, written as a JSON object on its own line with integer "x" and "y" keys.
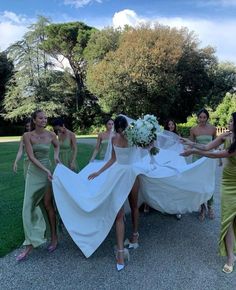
{"x": 71, "y": 134}
{"x": 211, "y": 127}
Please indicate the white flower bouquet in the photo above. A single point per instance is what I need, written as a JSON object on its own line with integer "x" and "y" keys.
{"x": 143, "y": 133}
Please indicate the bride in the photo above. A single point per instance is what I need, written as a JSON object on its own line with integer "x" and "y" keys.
{"x": 89, "y": 203}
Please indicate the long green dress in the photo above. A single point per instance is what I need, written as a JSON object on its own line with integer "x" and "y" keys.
{"x": 35, "y": 220}
{"x": 203, "y": 139}
{"x": 25, "y": 164}
{"x": 65, "y": 153}
{"x": 102, "y": 149}
{"x": 228, "y": 200}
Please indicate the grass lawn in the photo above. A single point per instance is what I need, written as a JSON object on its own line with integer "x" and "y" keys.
{"x": 12, "y": 192}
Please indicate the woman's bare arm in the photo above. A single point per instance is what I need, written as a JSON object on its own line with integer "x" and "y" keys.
{"x": 19, "y": 154}
{"x": 106, "y": 166}
{"x": 97, "y": 147}
{"x": 74, "y": 150}
{"x": 56, "y": 146}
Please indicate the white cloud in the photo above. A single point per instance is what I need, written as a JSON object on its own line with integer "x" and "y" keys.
{"x": 126, "y": 17}
{"x": 214, "y": 33}
{"x": 12, "y": 28}
{"x": 80, "y": 3}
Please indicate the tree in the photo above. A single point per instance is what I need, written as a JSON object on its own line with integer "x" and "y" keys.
{"x": 223, "y": 78}
{"x": 6, "y": 69}
{"x": 35, "y": 84}
{"x": 150, "y": 72}
{"x": 223, "y": 112}
{"x": 100, "y": 43}
{"x": 70, "y": 40}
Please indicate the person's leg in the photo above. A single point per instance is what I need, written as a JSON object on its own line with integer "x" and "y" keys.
{"x": 23, "y": 255}
{"x": 202, "y": 213}
{"x": 51, "y": 217}
{"x": 229, "y": 244}
{"x": 210, "y": 208}
{"x": 133, "y": 201}
{"x": 120, "y": 230}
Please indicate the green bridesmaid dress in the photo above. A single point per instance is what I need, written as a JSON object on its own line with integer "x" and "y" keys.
{"x": 25, "y": 164}
{"x": 65, "y": 153}
{"x": 35, "y": 220}
{"x": 203, "y": 139}
{"x": 103, "y": 148}
{"x": 228, "y": 200}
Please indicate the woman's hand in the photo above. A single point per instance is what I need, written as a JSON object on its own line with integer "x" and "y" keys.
{"x": 57, "y": 160}
{"x": 93, "y": 175}
{"x": 186, "y": 141}
{"x": 187, "y": 152}
{"x": 72, "y": 165}
{"x": 50, "y": 178}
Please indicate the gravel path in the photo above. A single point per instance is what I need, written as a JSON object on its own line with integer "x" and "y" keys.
{"x": 172, "y": 255}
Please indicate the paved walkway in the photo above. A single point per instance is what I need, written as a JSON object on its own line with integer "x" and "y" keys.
{"x": 173, "y": 254}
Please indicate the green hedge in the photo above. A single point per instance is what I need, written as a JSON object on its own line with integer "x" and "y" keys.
{"x": 183, "y": 130}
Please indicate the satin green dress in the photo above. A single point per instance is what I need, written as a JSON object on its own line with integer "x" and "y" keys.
{"x": 102, "y": 149}
{"x": 203, "y": 139}
{"x": 65, "y": 153}
{"x": 25, "y": 164}
{"x": 35, "y": 220}
{"x": 228, "y": 200}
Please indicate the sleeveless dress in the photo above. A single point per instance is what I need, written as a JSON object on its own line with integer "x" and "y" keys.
{"x": 103, "y": 149}
{"x": 35, "y": 220}
{"x": 201, "y": 139}
{"x": 65, "y": 153}
{"x": 228, "y": 200}
{"x": 25, "y": 164}
{"x": 88, "y": 208}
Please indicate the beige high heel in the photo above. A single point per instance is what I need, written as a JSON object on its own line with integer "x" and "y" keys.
{"x": 131, "y": 245}
{"x": 125, "y": 253}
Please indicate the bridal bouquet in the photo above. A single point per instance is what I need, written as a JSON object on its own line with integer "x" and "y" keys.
{"x": 143, "y": 133}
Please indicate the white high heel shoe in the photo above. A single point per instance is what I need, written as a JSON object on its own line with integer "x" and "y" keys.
{"x": 132, "y": 245}
{"x": 125, "y": 252}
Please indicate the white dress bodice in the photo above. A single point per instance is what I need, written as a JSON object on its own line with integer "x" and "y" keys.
{"x": 125, "y": 155}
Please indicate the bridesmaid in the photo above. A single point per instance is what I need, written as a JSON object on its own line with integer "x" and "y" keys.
{"x": 38, "y": 209}
{"x": 171, "y": 126}
{"x": 227, "y": 242}
{"x": 68, "y": 145}
{"x": 102, "y": 141}
{"x": 21, "y": 150}
{"x": 203, "y": 133}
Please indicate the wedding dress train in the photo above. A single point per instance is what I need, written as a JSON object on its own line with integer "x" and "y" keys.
{"x": 88, "y": 208}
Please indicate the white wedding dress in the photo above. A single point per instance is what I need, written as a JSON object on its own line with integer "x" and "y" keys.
{"x": 88, "y": 208}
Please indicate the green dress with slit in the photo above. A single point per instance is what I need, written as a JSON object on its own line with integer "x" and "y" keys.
{"x": 228, "y": 200}
{"x": 66, "y": 152}
{"x": 203, "y": 139}
{"x": 35, "y": 220}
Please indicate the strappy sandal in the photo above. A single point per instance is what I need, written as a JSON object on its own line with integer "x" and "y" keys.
{"x": 130, "y": 244}
{"x": 228, "y": 269}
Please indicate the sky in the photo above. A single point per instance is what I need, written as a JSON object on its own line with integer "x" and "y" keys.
{"x": 213, "y": 21}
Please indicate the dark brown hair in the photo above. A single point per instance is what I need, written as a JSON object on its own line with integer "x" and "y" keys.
{"x": 232, "y": 147}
